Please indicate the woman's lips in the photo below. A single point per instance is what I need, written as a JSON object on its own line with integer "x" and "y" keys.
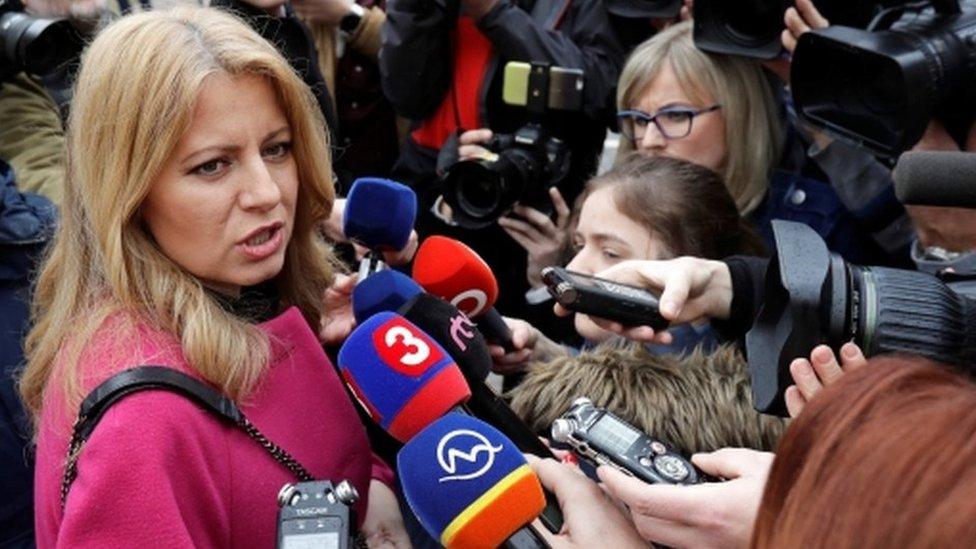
{"x": 264, "y": 243}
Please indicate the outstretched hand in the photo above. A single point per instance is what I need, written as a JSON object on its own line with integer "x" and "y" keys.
{"x": 712, "y": 514}
{"x": 823, "y": 369}
{"x": 529, "y": 344}
{"x": 591, "y": 519}
{"x": 691, "y": 289}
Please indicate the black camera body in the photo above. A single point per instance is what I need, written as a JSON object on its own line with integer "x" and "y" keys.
{"x": 316, "y": 514}
{"x": 31, "y": 44}
{"x": 521, "y": 169}
{"x": 523, "y": 165}
{"x": 814, "y": 297}
{"x": 603, "y": 438}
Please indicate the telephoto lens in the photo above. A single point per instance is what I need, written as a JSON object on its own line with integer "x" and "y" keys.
{"x": 880, "y": 89}
{"x": 524, "y": 165}
{"x": 814, "y": 297}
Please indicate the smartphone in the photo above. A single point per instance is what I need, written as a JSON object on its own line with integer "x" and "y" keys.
{"x": 601, "y": 438}
{"x": 628, "y": 305}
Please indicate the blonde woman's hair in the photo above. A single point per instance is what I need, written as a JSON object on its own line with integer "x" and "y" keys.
{"x": 753, "y": 131}
{"x": 698, "y": 402}
{"x": 133, "y": 102}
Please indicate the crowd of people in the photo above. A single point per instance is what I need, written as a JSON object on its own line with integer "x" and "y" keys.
{"x": 174, "y": 197}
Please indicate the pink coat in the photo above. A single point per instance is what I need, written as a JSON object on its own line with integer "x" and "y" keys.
{"x": 159, "y": 471}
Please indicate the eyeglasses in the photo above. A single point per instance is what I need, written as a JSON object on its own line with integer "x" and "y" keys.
{"x": 672, "y": 122}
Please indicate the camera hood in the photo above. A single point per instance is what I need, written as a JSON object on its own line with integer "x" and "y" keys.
{"x": 881, "y": 92}
{"x": 801, "y": 274}
{"x": 750, "y": 28}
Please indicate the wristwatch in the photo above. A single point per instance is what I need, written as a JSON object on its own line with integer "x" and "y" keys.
{"x": 350, "y": 21}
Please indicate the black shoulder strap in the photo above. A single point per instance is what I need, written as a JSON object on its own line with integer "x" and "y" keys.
{"x": 144, "y": 378}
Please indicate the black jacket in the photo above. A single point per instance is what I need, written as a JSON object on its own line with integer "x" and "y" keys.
{"x": 416, "y": 63}
{"x": 27, "y": 224}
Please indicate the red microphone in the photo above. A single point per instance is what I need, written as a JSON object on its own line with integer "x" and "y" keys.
{"x": 452, "y": 271}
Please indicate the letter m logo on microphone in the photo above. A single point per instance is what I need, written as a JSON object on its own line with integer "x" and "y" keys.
{"x": 405, "y": 349}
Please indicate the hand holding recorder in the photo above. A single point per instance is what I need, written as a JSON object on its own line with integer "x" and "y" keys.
{"x": 691, "y": 289}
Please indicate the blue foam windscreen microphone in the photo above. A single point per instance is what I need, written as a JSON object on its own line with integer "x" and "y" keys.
{"x": 400, "y": 375}
{"x": 380, "y": 213}
{"x": 459, "y": 336}
{"x": 468, "y": 484}
{"x": 385, "y": 290}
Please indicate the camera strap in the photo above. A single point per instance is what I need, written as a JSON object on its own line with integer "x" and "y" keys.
{"x": 144, "y": 378}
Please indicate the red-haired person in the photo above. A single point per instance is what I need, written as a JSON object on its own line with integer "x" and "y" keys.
{"x": 882, "y": 458}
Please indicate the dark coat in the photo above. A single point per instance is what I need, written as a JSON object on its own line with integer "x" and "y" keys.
{"x": 26, "y": 225}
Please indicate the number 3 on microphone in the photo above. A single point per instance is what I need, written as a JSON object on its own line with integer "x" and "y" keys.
{"x": 417, "y": 350}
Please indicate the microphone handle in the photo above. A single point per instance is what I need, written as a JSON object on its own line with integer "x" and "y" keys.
{"x": 493, "y": 326}
{"x": 526, "y": 538}
{"x": 484, "y": 404}
{"x": 372, "y": 263}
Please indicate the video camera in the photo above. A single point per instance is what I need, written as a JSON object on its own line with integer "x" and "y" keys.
{"x": 814, "y": 297}
{"x": 31, "y": 44}
{"x": 880, "y": 87}
{"x": 752, "y": 28}
{"x": 522, "y": 165}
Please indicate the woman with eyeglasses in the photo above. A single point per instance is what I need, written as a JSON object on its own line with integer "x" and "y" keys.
{"x": 725, "y": 113}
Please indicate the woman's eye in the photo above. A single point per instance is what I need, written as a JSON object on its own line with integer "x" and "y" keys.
{"x": 675, "y": 116}
{"x": 610, "y": 254}
{"x": 278, "y": 150}
{"x": 211, "y": 167}
{"x": 640, "y": 122}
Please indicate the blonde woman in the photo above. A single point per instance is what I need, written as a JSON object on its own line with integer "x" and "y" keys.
{"x": 198, "y": 171}
{"x": 717, "y": 111}
{"x": 721, "y": 112}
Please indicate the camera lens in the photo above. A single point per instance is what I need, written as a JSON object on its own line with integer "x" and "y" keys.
{"x": 886, "y": 86}
{"x": 480, "y": 191}
{"x": 749, "y": 28}
{"x": 36, "y": 45}
{"x": 814, "y": 297}
{"x": 753, "y": 21}
{"x": 480, "y": 195}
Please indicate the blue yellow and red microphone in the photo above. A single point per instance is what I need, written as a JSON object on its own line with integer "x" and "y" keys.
{"x": 468, "y": 484}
